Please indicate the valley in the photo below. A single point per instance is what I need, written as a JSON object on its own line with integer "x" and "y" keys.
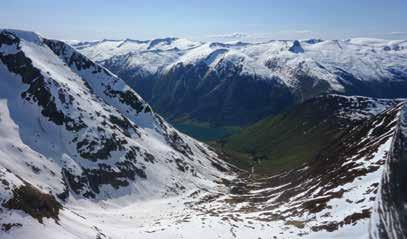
{"x": 180, "y": 119}
{"x": 82, "y": 155}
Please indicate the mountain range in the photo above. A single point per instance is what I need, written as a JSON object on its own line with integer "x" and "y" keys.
{"x": 238, "y": 83}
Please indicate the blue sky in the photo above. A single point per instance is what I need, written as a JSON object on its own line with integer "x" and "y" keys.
{"x": 208, "y": 19}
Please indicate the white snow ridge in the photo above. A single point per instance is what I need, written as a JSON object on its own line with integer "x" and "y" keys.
{"x": 83, "y": 156}
{"x": 371, "y": 60}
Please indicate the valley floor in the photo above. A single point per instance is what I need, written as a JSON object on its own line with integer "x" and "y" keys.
{"x": 177, "y": 217}
{"x": 234, "y": 209}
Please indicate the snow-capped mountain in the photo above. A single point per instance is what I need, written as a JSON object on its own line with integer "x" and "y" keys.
{"x": 71, "y": 130}
{"x": 83, "y": 156}
{"x": 207, "y": 80}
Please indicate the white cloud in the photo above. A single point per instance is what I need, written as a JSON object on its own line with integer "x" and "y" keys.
{"x": 236, "y": 35}
{"x": 297, "y": 31}
{"x": 264, "y": 36}
{"x": 398, "y": 33}
{"x": 239, "y": 35}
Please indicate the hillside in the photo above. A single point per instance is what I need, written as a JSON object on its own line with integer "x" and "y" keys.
{"x": 73, "y": 132}
{"x": 300, "y": 134}
{"x": 353, "y": 189}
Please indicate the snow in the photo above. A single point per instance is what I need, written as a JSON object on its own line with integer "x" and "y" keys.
{"x": 28, "y": 36}
{"x": 105, "y": 49}
{"x": 366, "y": 59}
{"x": 364, "y": 107}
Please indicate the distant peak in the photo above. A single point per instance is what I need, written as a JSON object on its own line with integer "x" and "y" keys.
{"x": 167, "y": 41}
{"x": 296, "y": 47}
{"x": 128, "y": 40}
{"x": 28, "y": 36}
{"x": 217, "y": 44}
{"x": 110, "y": 40}
{"x": 313, "y": 41}
{"x": 228, "y": 44}
{"x": 135, "y": 41}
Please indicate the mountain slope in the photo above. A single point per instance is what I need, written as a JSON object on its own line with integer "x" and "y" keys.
{"x": 249, "y": 81}
{"x": 73, "y": 131}
{"x": 350, "y": 190}
{"x": 298, "y": 135}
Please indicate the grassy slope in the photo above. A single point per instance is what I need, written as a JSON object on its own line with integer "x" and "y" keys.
{"x": 286, "y": 140}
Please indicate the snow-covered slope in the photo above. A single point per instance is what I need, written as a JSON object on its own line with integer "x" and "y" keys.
{"x": 71, "y": 131}
{"x": 150, "y": 55}
{"x": 185, "y": 71}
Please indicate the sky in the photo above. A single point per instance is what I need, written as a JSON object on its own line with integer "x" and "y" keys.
{"x": 208, "y": 20}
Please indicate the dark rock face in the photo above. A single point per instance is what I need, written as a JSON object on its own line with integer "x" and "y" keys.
{"x": 9, "y": 226}
{"x": 35, "y": 203}
{"x": 166, "y": 41}
{"x": 395, "y": 88}
{"x": 81, "y": 62}
{"x": 392, "y": 210}
{"x": 296, "y": 47}
{"x": 76, "y": 59}
{"x": 38, "y": 90}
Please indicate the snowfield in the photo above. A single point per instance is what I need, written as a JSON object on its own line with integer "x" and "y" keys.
{"x": 83, "y": 156}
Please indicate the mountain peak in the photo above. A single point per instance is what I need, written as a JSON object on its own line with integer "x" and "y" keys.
{"x": 166, "y": 41}
{"x": 28, "y": 36}
{"x": 135, "y": 40}
{"x": 313, "y": 41}
{"x": 296, "y": 47}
